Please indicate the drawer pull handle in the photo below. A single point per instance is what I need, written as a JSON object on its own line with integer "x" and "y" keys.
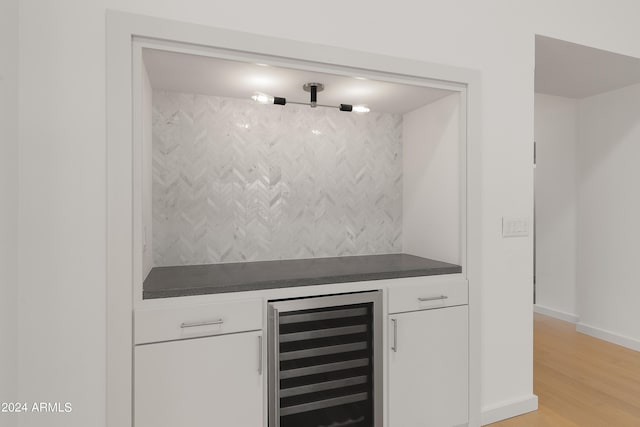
{"x": 394, "y": 347}
{"x": 196, "y": 324}
{"x": 441, "y": 297}
{"x": 259, "y": 354}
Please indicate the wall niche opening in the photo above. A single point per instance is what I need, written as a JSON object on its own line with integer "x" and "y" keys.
{"x": 225, "y": 179}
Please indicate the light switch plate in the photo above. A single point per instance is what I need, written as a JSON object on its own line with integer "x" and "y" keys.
{"x": 515, "y": 227}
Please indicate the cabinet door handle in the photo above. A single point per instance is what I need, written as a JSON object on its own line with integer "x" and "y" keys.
{"x": 424, "y": 299}
{"x": 394, "y": 347}
{"x": 196, "y": 324}
{"x": 259, "y": 354}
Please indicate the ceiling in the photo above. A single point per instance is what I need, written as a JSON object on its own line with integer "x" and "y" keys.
{"x": 179, "y": 72}
{"x": 576, "y": 71}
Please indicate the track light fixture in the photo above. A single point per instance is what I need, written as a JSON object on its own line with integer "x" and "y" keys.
{"x": 313, "y": 89}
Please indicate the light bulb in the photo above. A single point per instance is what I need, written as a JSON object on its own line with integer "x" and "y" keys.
{"x": 361, "y": 109}
{"x": 262, "y": 98}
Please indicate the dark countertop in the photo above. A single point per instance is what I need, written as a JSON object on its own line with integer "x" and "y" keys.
{"x": 166, "y": 282}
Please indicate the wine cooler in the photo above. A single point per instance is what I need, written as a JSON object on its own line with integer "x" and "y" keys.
{"x": 325, "y": 361}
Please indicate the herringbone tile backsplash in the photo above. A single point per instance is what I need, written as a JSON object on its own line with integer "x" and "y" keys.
{"x": 238, "y": 181}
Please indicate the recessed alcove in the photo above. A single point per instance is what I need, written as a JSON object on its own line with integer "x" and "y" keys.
{"x": 226, "y": 179}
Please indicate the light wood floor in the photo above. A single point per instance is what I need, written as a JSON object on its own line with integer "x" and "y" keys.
{"x": 580, "y": 381}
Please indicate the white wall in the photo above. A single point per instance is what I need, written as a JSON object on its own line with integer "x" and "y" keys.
{"x": 608, "y": 212}
{"x": 8, "y": 205}
{"x": 431, "y": 180}
{"x": 62, "y": 164}
{"x": 62, "y": 229}
{"x": 556, "y": 129}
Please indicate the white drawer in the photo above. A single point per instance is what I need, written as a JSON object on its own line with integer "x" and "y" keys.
{"x": 166, "y": 324}
{"x": 427, "y": 293}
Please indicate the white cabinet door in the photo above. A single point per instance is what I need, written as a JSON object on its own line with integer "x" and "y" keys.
{"x": 428, "y": 368}
{"x": 213, "y": 381}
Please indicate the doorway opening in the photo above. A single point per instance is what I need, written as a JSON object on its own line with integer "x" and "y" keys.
{"x": 587, "y": 124}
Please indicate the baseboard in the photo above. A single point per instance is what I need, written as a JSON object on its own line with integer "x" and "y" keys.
{"x": 609, "y": 336}
{"x": 562, "y": 315}
{"x": 509, "y": 409}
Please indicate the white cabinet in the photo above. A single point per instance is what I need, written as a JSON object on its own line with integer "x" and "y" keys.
{"x": 212, "y": 381}
{"x": 428, "y": 368}
{"x": 200, "y": 365}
